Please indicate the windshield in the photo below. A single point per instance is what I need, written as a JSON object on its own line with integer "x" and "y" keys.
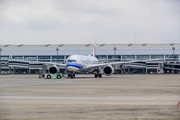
{"x": 71, "y": 61}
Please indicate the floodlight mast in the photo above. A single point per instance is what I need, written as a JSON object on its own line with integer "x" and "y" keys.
{"x": 114, "y": 50}
{"x": 0, "y": 60}
{"x": 57, "y": 49}
{"x": 114, "y": 47}
{"x": 173, "y": 48}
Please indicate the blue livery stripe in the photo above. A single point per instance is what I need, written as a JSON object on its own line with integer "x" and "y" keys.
{"x": 74, "y": 65}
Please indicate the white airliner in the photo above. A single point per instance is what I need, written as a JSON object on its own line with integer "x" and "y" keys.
{"x": 82, "y": 63}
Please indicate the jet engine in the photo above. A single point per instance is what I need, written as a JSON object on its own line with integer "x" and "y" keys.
{"x": 53, "y": 69}
{"x": 108, "y": 70}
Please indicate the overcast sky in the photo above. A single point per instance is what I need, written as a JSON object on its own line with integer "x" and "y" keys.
{"x": 79, "y": 21}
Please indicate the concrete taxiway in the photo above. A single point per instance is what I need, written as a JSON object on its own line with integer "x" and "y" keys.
{"x": 118, "y": 97}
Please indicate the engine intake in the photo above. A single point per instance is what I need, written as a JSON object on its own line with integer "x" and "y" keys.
{"x": 108, "y": 70}
{"x": 53, "y": 70}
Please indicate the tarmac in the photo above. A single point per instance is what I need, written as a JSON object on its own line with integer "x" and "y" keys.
{"x": 116, "y": 97}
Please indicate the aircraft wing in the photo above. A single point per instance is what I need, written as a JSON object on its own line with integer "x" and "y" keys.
{"x": 52, "y": 63}
{"x": 14, "y": 62}
{"x": 103, "y": 64}
{"x": 133, "y": 61}
{"x": 118, "y": 63}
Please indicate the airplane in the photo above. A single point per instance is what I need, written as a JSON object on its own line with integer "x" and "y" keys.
{"x": 87, "y": 64}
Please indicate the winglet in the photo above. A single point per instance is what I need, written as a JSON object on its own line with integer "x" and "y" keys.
{"x": 94, "y": 50}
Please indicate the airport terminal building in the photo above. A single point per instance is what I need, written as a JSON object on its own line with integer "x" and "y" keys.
{"x": 123, "y": 52}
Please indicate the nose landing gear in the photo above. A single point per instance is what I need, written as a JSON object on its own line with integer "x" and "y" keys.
{"x": 71, "y": 75}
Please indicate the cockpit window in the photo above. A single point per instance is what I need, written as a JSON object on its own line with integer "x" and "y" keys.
{"x": 71, "y": 61}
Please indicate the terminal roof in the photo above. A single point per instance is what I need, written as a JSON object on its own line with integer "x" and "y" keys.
{"x": 66, "y": 46}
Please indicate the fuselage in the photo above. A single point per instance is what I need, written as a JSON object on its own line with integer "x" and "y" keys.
{"x": 80, "y": 63}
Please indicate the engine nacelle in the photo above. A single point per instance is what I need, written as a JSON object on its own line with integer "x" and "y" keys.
{"x": 53, "y": 69}
{"x": 108, "y": 70}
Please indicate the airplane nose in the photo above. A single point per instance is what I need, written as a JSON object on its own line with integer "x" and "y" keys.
{"x": 71, "y": 68}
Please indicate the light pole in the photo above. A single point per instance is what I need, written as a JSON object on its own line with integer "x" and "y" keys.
{"x": 0, "y": 59}
{"x": 114, "y": 50}
{"x": 114, "y": 47}
{"x": 57, "y": 49}
{"x": 173, "y": 48}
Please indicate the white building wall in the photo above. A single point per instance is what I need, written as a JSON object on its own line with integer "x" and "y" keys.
{"x": 107, "y": 51}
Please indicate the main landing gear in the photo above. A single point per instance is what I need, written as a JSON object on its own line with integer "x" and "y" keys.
{"x": 98, "y": 75}
{"x": 71, "y": 75}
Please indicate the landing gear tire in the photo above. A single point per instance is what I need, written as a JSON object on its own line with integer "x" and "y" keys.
{"x": 59, "y": 77}
{"x": 43, "y": 75}
{"x": 48, "y": 76}
{"x": 72, "y": 76}
{"x": 95, "y": 75}
{"x": 98, "y": 75}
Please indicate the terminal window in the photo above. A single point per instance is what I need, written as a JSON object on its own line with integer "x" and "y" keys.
{"x": 30, "y": 57}
{"x": 142, "y": 57}
{"x": 43, "y": 57}
{"x": 128, "y": 56}
{"x": 4, "y": 57}
{"x": 114, "y": 56}
{"x": 17, "y": 57}
{"x": 59, "y": 57}
{"x": 101, "y": 56}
